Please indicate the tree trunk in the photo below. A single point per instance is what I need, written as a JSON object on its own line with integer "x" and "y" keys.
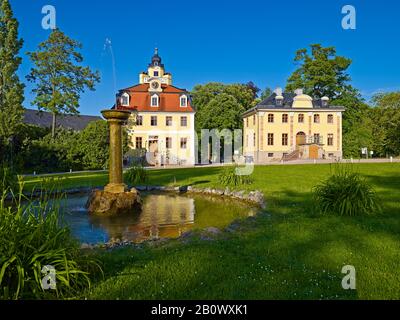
{"x": 53, "y": 127}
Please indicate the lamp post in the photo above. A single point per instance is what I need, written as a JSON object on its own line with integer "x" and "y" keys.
{"x": 115, "y": 119}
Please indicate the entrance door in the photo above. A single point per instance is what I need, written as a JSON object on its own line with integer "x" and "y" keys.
{"x": 153, "y": 146}
{"x": 313, "y": 150}
{"x": 300, "y": 139}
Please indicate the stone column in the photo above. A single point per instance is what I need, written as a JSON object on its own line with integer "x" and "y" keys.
{"x": 116, "y": 118}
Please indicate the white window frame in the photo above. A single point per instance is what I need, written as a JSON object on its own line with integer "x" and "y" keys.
{"x": 125, "y": 95}
{"x": 158, "y": 101}
{"x": 186, "y": 101}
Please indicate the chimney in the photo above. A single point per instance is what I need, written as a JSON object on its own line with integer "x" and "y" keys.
{"x": 325, "y": 101}
{"x": 279, "y": 97}
{"x": 298, "y": 92}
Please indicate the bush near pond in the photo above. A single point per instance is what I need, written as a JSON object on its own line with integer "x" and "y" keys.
{"x": 33, "y": 237}
{"x": 136, "y": 175}
{"x": 229, "y": 177}
{"x": 346, "y": 193}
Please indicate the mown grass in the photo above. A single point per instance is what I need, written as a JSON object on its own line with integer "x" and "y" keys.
{"x": 292, "y": 253}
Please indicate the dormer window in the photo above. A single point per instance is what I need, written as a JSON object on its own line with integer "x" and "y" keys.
{"x": 154, "y": 100}
{"x": 125, "y": 100}
{"x": 183, "y": 101}
{"x": 156, "y": 73}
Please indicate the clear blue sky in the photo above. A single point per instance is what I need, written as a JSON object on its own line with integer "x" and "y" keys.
{"x": 213, "y": 40}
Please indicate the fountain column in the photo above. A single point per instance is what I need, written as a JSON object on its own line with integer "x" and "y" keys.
{"x": 115, "y": 119}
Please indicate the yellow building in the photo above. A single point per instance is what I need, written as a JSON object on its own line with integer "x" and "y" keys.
{"x": 290, "y": 126}
{"x": 162, "y": 120}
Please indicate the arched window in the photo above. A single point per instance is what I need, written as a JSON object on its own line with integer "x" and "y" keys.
{"x": 183, "y": 101}
{"x": 125, "y": 100}
{"x": 301, "y": 118}
{"x": 154, "y": 100}
{"x": 330, "y": 118}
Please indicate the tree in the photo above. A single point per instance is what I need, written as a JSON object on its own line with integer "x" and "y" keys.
{"x": 386, "y": 123}
{"x": 222, "y": 112}
{"x": 11, "y": 89}
{"x": 59, "y": 78}
{"x": 204, "y": 94}
{"x": 266, "y": 93}
{"x": 322, "y": 73}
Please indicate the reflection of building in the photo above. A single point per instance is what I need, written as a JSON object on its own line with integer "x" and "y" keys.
{"x": 162, "y": 121}
{"x": 289, "y": 126}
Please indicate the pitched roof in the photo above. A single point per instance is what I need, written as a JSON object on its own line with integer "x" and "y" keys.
{"x": 45, "y": 120}
{"x": 140, "y": 99}
{"x": 288, "y": 98}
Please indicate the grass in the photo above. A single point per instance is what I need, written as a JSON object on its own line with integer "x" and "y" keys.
{"x": 293, "y": 253}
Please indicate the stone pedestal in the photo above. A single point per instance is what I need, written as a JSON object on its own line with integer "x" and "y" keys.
{"x": 115, "y": 199}
{"x": 116, "y": 118}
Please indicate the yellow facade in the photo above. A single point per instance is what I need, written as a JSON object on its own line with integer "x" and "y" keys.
{"x": 296, "y": 132}
{"x": 168, "y": 141}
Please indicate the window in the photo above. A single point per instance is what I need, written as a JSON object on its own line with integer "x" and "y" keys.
{"x": 139, "y": 143}
{"x": 331, "y": 155}
{"x": 301, "y": 118}
{"x": 154, "y": 101}
{"x": 254, "y": 120}
{"x": 270, "y": 139}
{"x": 168, "y": 142}
{"x": 316, "y": 118}
{"x": 183, "y": 121}
{"x": 168, "y": 121}
{"x": 285, "y": 139}
{"x": 183, "y": 143}
{"x": 139, "y": 120}
{"x": 285, "y": 118}
{"x": 316, "y": 138}
{"x": 270, "y": 155}
{"x": 330, "y": 118}
{"x": 153, "y": 121}
{"x": 247, "y": 122}
{"x": 270, "y": 118}
{"x": 330, "y": 139}
{"x": 254, "y": 139}
{"x": 125, "y": 100}
{"x": 156, "y": 73}
{"x": 183, "y": 101}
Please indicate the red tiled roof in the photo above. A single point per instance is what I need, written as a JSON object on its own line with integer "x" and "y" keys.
{"x": 140, "y": 99}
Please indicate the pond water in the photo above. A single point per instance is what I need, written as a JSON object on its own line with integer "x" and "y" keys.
{"x": 162, "y": 216}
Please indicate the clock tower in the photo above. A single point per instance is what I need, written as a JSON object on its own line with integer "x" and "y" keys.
{"x": 155, "y": 75}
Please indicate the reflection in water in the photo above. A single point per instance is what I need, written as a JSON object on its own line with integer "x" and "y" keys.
{"x": 162, "y": 216}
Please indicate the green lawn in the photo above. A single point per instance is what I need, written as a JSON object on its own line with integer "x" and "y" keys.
{"x": 290, "y": 254}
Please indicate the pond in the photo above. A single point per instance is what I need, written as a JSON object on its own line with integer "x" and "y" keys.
{"x": 163, "y": 216}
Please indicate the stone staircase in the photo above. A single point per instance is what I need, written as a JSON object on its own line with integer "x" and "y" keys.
{"x": 294, "y": 155}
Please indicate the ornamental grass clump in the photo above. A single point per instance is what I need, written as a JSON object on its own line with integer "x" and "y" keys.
{"x": 230, "y": 177}
{"x": 346, "y": 193}
{"x": 34, "y": 238}
{"x": 136, "y": 175}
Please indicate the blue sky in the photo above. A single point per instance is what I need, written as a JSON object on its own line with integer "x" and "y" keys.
{"x": 215, "y": 40}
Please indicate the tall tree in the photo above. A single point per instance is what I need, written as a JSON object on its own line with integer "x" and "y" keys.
{"x": 242, "y": 99}
{"x": 321, "y": 73}
{"x": 386, "y": 123}
{"x": 11, "y": 89}
{"x": 59, "y": 77}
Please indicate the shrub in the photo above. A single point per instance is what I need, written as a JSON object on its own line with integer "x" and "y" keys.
{"x": 34, "y": 236}
{"x": 346, "y": 193}
{"x": 136, "y": 175}
{"x": 229, "y": 177}
{"x": 8, "y": 179}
